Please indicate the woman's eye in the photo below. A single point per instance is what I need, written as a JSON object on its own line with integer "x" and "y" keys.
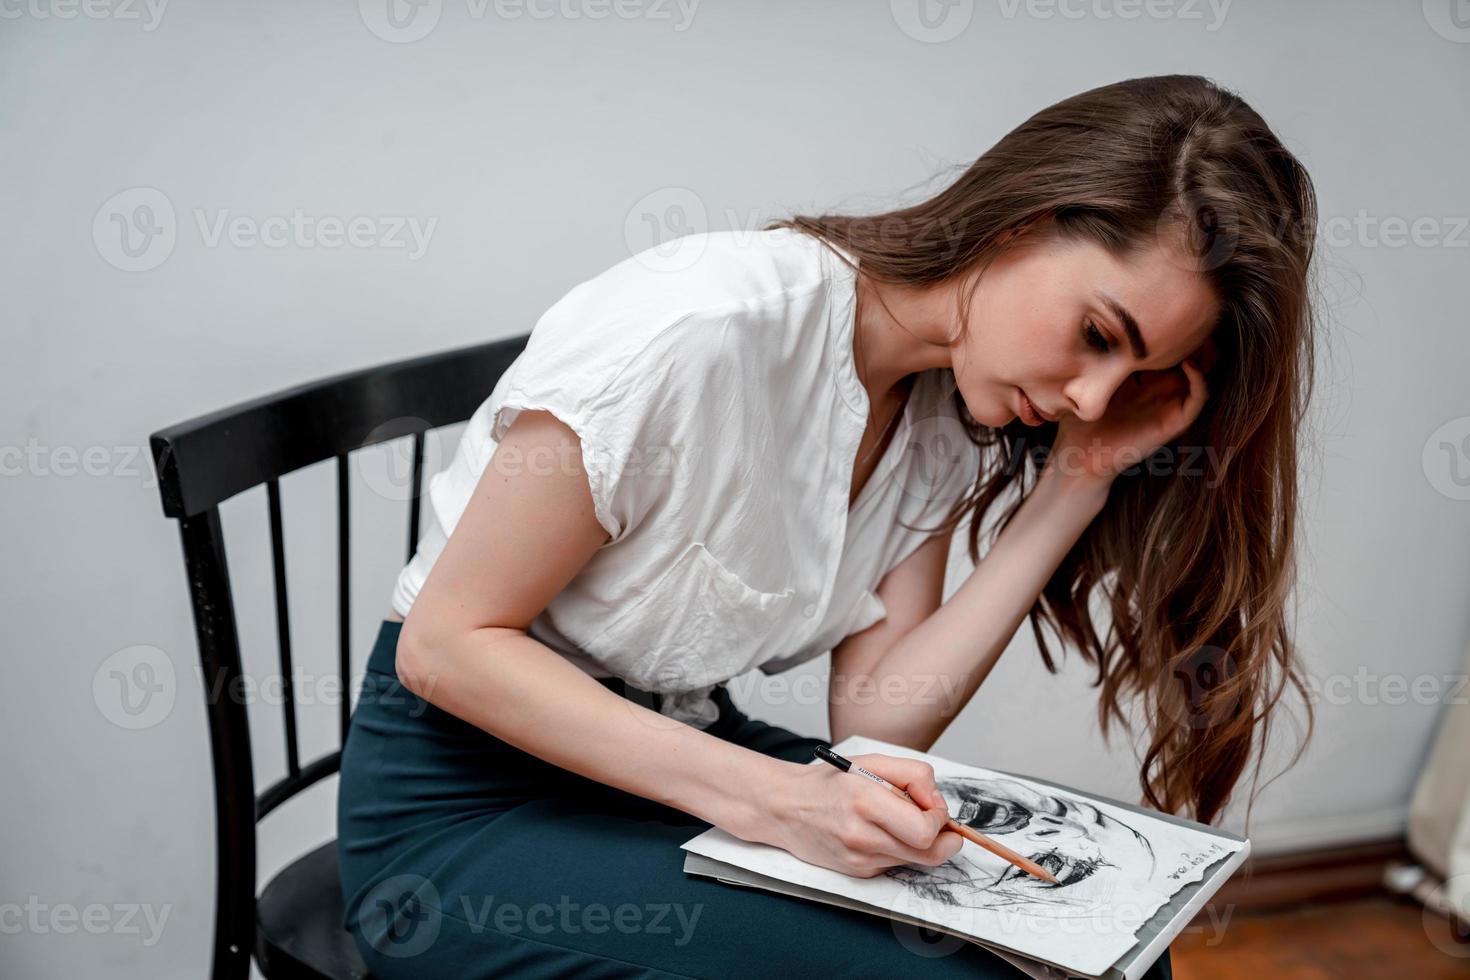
{"x": 1095, "y": 337}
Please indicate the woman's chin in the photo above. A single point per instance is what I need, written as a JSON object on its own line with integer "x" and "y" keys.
{"x": 996, "y": 414}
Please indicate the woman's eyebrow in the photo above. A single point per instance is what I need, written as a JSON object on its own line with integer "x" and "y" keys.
{"x": 1130, "y": 324}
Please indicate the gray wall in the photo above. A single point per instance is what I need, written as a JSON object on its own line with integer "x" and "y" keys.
{"x": 531, "y": 151}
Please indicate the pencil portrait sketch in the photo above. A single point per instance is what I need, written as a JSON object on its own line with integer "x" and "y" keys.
{"x": 1088, "y": 851}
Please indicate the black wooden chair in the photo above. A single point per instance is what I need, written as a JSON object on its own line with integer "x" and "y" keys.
{"x": 294, "y": 926}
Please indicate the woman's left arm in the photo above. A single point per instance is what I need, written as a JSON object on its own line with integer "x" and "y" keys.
{"x": 905, "y": 679}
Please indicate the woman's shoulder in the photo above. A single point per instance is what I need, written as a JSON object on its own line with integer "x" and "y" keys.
{"x": 696, "y": 306}
{"x": 698, "y": 273}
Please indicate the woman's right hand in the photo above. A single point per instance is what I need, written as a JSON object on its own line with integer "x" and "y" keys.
{"x": 849, "y": 823}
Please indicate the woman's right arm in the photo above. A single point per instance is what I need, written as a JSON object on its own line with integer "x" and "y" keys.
{"x": 527, "y": 531}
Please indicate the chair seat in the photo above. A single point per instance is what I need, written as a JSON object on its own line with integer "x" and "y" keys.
{"x": 299, "y": 931}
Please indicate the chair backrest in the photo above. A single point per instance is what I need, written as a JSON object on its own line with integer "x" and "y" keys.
{"x": 205, "y": 461}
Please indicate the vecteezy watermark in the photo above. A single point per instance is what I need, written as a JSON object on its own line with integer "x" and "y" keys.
{"x": 406, "y": 21}
{"x": 136, "y": 230}
{"x": 137, "y": 687}
{"x": 1011, "y": 908}
{"x": 673, "y": 465}
{"x": 663, "y": 230}
{"x": 148, "y": 12}
{"x": 1394, "y": 231}
{"x": 36, "y": 917}
{"x": 36, "y": 459}
{"x": 313, "y": 231}
{"x": 1367, "y": 687}
{"x": 941, "y": 691}
{"x": 390, "y": 473}
{"x": 1015, "y": 915}
{"x": 402, "y": 916}
{"x": 1446, "y": 458}
{"x": 1450, "y": 19}
{"x": 1210, "y": 12}
{"x": 1190, "y": 461}
{"x": 936, "y": 21}
{"x": 566, "y": 917}
{"x": 1213, "y": 236}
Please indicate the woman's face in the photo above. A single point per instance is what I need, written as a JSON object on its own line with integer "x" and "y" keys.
{"x": 1040, "y": 318}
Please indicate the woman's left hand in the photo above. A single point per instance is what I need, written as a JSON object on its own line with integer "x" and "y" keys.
{"x": 1150, "y": 409}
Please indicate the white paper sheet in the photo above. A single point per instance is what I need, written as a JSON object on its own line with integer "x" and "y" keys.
{"x": 1116, "y": 867}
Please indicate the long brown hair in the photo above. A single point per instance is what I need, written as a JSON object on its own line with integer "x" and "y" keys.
{"x": 1196, "y": 562}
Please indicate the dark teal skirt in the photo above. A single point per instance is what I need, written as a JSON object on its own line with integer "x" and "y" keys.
{"x": 462, "y": 856}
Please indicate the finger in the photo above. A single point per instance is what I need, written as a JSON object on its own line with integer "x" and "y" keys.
{"x": 945, "y": 846}
{"x": 1198, "y": 389}
{"x": 902, "y": 823}
{"x": 914, "y": 825}
{"x": 912, "y": 775}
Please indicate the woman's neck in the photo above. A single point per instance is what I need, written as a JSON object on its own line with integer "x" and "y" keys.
{"x": 908, "y": 336}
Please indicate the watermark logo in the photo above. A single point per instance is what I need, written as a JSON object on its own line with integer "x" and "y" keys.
{"x": 1199, "y": 676}
{"x": 1446, "y": 458}
{"x": 938, "y": 450}
{"x": 925, "y": 941}
{"x": 400, "y": 21}
{"x": 400, "y": 916}
{"x": 1449, "y": 900}
{"x": 388, "y": 473}
{"x": 1450, "y": 19}
{"x": 135, "y": 687}
{"x": 664, "y": 230}
{"x": 135, "y": 230}
{"x": 932, "y": 21}
{"x": 1209, "y": 237}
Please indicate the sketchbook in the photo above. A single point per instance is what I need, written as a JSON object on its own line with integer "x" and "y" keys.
{"x": 1130, "y": 879}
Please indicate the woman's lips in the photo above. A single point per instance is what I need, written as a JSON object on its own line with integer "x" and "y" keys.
{"x": 1029, "y": 413}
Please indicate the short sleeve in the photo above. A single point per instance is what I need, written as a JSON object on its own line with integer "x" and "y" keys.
{"x": 629, "y": 409}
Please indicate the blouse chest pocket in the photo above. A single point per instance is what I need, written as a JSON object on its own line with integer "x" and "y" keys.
{"x": 698, "y": 624}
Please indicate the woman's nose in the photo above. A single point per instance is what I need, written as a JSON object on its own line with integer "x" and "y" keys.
{"x": 1090, "y": 395}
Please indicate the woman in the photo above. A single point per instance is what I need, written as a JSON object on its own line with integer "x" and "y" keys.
{"x": 752, "y": 451}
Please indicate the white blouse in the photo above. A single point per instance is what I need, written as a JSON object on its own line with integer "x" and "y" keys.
{"x": 719, "y": 410}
